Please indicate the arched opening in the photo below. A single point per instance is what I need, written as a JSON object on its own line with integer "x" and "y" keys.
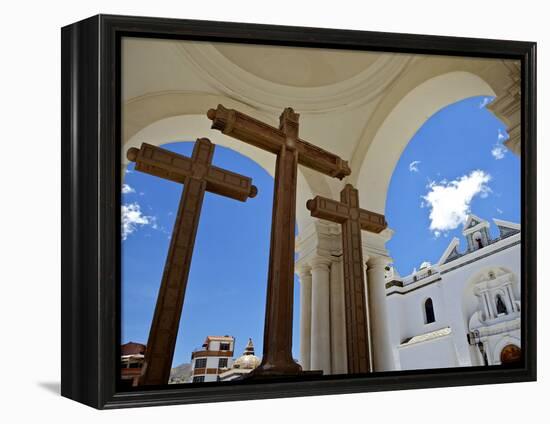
{"x": 429, "y": 314}
{"x": 501, "y": 307}
{"x": 478, "y": 243}
{"x": 401, "y": 125}
{"x": 445, "y": 173}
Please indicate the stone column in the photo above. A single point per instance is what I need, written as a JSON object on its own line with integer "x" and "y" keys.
{"x": 379, "y": 319}
{"x": 305, "y": 317}
{"x": 489, "y": 300}
{"x": 511, "y": 296}
{"x": 337, "y": 319}
{"x": 320, "y": 315}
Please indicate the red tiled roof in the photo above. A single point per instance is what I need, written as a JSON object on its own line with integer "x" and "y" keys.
{"x": 132, "y": 348}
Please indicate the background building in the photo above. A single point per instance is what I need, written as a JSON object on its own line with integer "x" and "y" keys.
{"x": 214, "y": 357}
{"x": 242, "y": 365}
{"x": 131, "y": 361}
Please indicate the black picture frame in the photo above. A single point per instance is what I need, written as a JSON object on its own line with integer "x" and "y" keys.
{"x": 91, "y": 178}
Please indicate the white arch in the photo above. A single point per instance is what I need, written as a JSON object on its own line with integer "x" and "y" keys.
{"x": 186, "y": 128}
{"x": 403, "y": 122}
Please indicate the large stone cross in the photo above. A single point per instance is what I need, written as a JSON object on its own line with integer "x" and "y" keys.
{"x": 291, "y": 151}
{"x": 197, "y": 176}
{"x": 353, "y": 219}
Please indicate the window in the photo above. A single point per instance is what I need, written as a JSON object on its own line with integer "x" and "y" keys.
{"x": 200, "y": 363}
{"x": 501, "y": 307}
{"x": 198, "y": 379}
{"x": 429, "y": 310}
{"x": 224, "y": 346}
{"x": 222, "y": 363}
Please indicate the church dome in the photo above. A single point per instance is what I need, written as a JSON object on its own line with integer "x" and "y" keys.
{"x": 248, "y": 360}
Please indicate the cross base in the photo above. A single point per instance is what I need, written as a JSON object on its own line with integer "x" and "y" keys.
{"x": 262, "y": 374}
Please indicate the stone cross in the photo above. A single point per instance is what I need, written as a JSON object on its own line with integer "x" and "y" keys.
{"x": 197, "y": 174}
{"x": 353, "y": 219}
{"x": 291, "y": 151}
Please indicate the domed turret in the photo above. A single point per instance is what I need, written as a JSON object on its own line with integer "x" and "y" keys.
{"x": 248, "y": 360}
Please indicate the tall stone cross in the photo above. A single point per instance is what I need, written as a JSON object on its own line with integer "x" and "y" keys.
{"x": 197, "y": 174}
{"x": 353, "y": 219}
{"x": 290, "y": 151}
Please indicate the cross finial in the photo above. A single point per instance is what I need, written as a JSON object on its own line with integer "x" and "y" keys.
{"x": 288, "y": 123}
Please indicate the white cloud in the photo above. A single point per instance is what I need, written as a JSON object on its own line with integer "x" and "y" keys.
{"x": 449, "y": 201}
{"x": 500, "y": 210}
{"x": 485, "y": 102}
{"x": 413, "y": 166}
{"x": 126, "y": 189}
{"x": 498, "y": 151}
{"x": 132, "y": 218}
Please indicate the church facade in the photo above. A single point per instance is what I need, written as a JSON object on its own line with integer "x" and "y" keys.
{"x": 464, "y": 310}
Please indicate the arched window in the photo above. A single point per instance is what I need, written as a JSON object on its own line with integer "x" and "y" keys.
{"x": 429, "y": 310}
{"x": 501, "y": 307}
{"x": 478, "y": 240}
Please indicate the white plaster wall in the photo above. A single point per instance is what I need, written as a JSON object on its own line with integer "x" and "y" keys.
{"x": 438, "y": 353}
{"x": 411, "y": 306}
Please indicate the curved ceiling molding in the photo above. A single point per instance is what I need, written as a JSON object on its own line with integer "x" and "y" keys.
{"x": 236, "y": 82}
{"x": 400, "y": 125}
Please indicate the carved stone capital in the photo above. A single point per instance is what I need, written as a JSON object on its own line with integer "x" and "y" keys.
{"x": 378, "y": 262}
{"x": 304, "y": 272}
{"x": 320, "y": 262}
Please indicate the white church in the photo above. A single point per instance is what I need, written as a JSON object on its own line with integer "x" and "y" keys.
{"x": 464, "y": 310}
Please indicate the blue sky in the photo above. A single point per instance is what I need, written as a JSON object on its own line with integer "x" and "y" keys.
{"x": 228, "y": 277}
{"x": 454, "y": 164}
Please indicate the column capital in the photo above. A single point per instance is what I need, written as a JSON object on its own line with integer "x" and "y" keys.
{"x": 320, "y": 262}
{"x": 303, "y": 271}
{"x": 377, "y": 261}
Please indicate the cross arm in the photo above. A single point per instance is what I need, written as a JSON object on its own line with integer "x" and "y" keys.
{"x": 161, "y": 163}
{"x": 245, "y": 128}
{"x": 331, "y": 210}
{"x": 257, "y": 133}
{"x": 229, "y": 184}
{"x": 372, "y": 221}
{"x": 172, "y": 166}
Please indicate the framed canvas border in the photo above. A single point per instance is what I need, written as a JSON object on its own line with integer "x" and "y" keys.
{"x": 91, "y": 176}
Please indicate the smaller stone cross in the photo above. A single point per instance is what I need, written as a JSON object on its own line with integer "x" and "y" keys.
{"x": 353, "y": 219}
